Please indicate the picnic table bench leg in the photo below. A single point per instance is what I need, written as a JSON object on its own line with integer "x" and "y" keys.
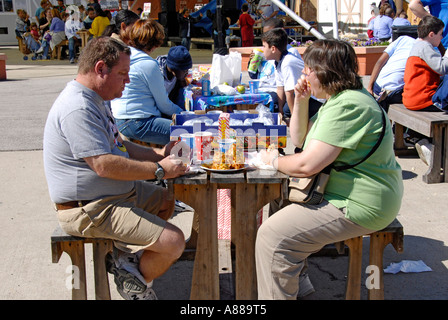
{"x": 248, "y": 199}
{"x": 75, "y": 249}
{"x": 353, "y": 290}
{"x": 434, "y": 175}
{"x": 100, "y": 249}
{"x": 202, "y": 198}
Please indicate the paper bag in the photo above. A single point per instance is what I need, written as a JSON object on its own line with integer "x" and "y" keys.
{"x": 226, "y": 69}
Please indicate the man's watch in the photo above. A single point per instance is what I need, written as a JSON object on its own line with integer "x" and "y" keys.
{"x": 160, "y": 173}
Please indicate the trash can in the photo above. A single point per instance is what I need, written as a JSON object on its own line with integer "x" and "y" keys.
{"x": 404, "y": 31}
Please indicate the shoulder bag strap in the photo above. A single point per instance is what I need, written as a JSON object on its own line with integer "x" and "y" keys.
{"x": 349, "y": 166}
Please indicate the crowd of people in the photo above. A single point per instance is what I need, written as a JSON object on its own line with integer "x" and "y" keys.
{"x": 55, "y": 23}
{"x": 101, "y": 183}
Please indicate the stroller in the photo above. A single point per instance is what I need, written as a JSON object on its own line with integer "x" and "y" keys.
{"x": 29, "y": 46}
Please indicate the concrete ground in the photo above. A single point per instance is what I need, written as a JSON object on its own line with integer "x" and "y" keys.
{"x": 27, "y": 217}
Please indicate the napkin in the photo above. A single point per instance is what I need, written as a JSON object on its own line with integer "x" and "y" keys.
{"x": 254, "y": 159}
{"x": 407, "y": 266}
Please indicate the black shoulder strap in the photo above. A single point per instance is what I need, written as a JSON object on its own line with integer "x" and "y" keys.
{"x": 349, "y": 166}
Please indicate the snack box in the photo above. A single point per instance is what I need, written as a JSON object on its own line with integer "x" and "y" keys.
{"x": 257, "y": 135}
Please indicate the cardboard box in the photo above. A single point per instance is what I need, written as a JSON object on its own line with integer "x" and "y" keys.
{"x": 258, "y": 135}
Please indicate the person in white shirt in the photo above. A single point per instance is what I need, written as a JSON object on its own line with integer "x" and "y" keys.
{"x": 267, "y": 10}
{"x": 288, "y": 69}
{"x": 72, "y": 25}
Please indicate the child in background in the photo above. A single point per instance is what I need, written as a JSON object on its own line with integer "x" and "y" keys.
{"x": 246, "y": 22}
{"x": 22, "y": 23}
{"x": 89, "y": 19}
{"x": 35, "y": 32}
{"x": 424, "y": 66}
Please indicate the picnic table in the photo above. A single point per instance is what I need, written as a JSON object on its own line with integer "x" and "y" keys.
{"x": 250, "y": 191}
{"x": 198, "y": 102}
{"x": 84, "y": 34}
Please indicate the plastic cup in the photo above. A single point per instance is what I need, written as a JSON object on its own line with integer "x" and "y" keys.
{"x": 227, "y": 150}
{"x": 203, "y": 146}
{"x": 253, "y": 86}
{"x": 189, "y": 138}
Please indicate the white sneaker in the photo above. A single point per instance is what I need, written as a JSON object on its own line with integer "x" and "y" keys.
{"x": 148, "y": 294}
{"x": 424, "y": 150}
{"x": 127, "y": 277}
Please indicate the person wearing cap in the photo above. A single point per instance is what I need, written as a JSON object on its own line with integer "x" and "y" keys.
{"x": 144, "y": 111}
{"x": 174, "y": 67}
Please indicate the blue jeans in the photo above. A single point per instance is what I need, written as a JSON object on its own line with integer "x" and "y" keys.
{"x": 151, "y": 130}
{"x": 393, "y": 97}
{"x": 186, "y": 43}
{"x": 71, "y": 48}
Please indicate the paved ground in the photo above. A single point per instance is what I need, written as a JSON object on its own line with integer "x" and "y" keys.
{"x": 27, "y": 217}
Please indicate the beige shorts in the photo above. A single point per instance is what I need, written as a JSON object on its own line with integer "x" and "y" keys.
{"x": 129, "y": 219}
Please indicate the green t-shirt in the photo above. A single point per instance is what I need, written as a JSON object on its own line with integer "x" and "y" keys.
{"x": 372, "y": 191}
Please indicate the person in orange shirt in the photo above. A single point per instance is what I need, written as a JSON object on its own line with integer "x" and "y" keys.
{"x": 424, "y": 66}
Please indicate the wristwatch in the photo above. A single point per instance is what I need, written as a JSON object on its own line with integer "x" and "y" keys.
{"x": 160, "y": 173}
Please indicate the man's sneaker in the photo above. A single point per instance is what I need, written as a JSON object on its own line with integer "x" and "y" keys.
{"x": 72, "y": 61}
{"x": 424, "y": 150}
{"x": 148, "y": 294}
{"x": 179, "y": 206}
{"x": 127, "y": 277}
{"x": 305, "y": 286}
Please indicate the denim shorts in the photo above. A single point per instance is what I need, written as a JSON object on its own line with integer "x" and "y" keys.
{"x": 151, "y": 130}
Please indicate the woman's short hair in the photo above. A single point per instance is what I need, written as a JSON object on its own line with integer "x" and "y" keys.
{"x": 145, "y": 34}
{"x": 335, "y": 65}
{"x": 102, "y": 48}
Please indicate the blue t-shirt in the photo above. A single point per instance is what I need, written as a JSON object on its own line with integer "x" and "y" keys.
{"x": 439, "y": 9}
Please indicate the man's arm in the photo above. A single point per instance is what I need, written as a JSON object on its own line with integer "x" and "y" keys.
{"x": 281, "y": 98}
{"x": 290, "y": 99}
{"x": 418, "y": 9}
{"x": 376, "y": 70}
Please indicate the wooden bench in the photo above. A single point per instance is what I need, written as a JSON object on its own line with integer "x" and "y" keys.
{"x": 204, "y": 41}
{"x": 392, "y": 234}
{"x": 57, "y": 52}
{"x": 431, "y": 124}
{"x": 74, "y": 247}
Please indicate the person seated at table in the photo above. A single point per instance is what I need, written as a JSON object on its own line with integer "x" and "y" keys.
{"x": 288, "y": 70}
{"x": 174, "y": 67}
{"x": 381, "y": 26}
{"x": 97, "y": 180}
{"x": 87, "y": 22}
{"x": 387, "y": 78}
{"x": 72, "y": 26}
{"x": 100, "y": 22}
{"x": 144, "y": 111}
{"x": 356, "y": 201}
{"x": 122, "y": 20}
{"x": 266, "y": 70}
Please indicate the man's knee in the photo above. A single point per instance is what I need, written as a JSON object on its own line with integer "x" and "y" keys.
{"x": 172, "y": 241}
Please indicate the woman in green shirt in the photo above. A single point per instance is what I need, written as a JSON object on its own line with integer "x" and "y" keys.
{"x": 357, "y": 201}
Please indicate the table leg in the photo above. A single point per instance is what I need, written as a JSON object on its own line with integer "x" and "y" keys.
{"x": 247, "y": 200}
{"x": 205, "y": 282}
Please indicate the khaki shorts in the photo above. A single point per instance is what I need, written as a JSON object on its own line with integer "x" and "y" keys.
{"x": 129, "y": 219}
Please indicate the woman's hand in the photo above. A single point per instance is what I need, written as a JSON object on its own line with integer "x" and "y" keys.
{"x": 268, "y": 156}
{"x": 302, "y": 89}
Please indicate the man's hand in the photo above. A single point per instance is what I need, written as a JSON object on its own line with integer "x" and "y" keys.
{"x": 173, "y": 167}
